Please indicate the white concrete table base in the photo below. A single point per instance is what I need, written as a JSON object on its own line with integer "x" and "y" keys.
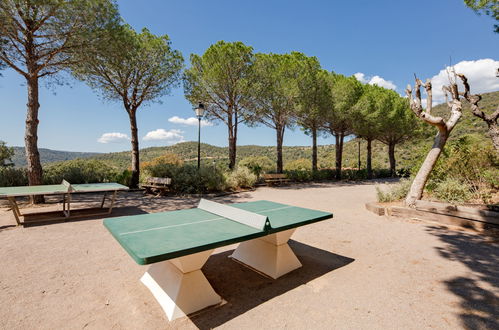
{"x": 179, "y": 285}
{"x": 270, "y": 255}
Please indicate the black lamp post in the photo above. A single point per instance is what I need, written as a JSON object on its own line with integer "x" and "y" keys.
{"x": 199, "y": 113}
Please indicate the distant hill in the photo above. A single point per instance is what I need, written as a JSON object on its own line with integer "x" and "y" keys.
{"x": 49, "y": 156}
{"x": 405, "y": 153}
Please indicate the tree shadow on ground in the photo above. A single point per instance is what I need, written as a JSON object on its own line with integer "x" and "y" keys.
{"x": 244, "y": 289}
{"x": 479, "y": 293}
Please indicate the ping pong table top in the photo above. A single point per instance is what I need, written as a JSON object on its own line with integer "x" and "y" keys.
{"x": 56, "y": 189}
{"x": 155, "y": 237}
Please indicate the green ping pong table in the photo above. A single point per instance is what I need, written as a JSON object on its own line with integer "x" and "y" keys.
{"x": 178, "y": 243}
{"x": 65, "y": 189}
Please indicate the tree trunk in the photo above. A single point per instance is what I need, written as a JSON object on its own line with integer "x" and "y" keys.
{"x": 134, "y": 182}
{"x": 416, "y": 191}
{"x": 232, "y": 126}
{"x": 368, "y": 160}
{"x": 391, "y": 156}
{"x": 35, "y": 171}
{"x": 314, "y": 149}
{"x": 280, "y": 138}
{"x": 339, "y": 154}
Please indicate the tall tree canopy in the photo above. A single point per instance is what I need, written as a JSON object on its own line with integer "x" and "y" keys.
{"x": 396, "y": 122}
{"x": 221, "y": 79}
{"x": 133, "y": 68}
{"x": 345, "y": 93}
{"x": 6, "y": 154}
{"x": 39, "y": 39}
{"x": 314, "y": 99}
{"x": 275, "y": 94}
{"x": 487, "y": 7}
{"x": 366, "y": 120}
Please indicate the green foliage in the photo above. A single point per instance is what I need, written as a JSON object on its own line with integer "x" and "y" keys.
{"x": 469, "y": 160}
{"x": 395, "y": 192}
{"x": 301, "y": 164}
{"x": 241, "y": 177}
{"x": 187, "y": 179}
{"x": 57, "y": 29}
{"x": 123, "y": 177}
{"x": 452, "y": 190}
{"x": 487, "y": 7}
{"x": 6, "y": 154}
{"x": 257, "y": 164}
{"x": 79, "y": 171}
{"x": 149, "y": 64}
{"x": 12, "y": 176}
{"x": 221, "y": 80}
{"x": 345, "y": 93}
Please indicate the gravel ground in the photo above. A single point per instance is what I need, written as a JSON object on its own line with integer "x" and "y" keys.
{"x": 360, "y": 271}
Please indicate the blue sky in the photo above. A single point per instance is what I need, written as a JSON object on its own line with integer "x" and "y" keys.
{"x": 383, "y": 42}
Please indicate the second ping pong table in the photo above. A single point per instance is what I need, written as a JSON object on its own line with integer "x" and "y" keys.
{"x": 65, "y": 189}
{"x": 178, "y": 243}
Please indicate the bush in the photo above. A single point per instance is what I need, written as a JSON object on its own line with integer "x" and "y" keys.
{"x": 12, "y": 176}
{"x": 123, "y": 178}
{"x": 241, "y": 177}
{"x": 78, "y": 171}
{"x": 257, "y": 164}
{"x": 168, "y": 158}
{"x": 395, "y": 192}
{"x": 301, "y": 164}
{"x": 453, "y": 191}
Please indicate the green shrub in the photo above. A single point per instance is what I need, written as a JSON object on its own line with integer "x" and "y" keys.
{"x": 299, "y": 176}
{"x": 395, "y": 192}
{"x": 78, "y": 171}
{"x": 258, "y": 164}
{"x": 241, "y": 177}
{"x": 12, "y": 176}
{"x": 123, "y": 177}
{"x": 187, "y": 179}
{"x": 301, "y": 164}
{"x": 453, "y": 191}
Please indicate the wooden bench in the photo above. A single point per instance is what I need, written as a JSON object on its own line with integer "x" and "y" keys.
{"x": 275, "y": 178}
{"x": 157, "y": 185}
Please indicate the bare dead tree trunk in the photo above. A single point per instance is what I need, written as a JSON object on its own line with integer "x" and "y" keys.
{"x": 134, "y": 182}
{"x": 444, "y": 129}
{"x": 391, "y": 156}
{"x": 314, "y": 149}
{"x": 369, "y": 159}
{"x": 490, "y": 120}
{"x": 280, "y": 139}
{"x": 338, "y": 138}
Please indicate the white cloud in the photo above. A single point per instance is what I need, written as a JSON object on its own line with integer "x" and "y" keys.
{"x": 192, "y": 121}
{"x": 113, "y": 138}
{"x": 170, "y": 136}
{"x": 481, "y": 76}
{"x": 376, "y": 80}
{"x": 361, "y": 77}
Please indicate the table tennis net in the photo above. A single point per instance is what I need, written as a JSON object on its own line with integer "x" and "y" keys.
{"x": 247, "y": 218}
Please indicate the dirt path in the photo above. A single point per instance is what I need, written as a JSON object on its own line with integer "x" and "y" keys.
{"x": 359, "y": 271}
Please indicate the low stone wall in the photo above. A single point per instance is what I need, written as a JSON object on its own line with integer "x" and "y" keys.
{"x": 479, "y": 218}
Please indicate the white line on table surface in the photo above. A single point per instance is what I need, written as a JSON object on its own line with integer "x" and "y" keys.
{"x": 197, "y": 222}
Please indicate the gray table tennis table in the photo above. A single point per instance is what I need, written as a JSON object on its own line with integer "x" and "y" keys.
{"x": 66, "y": 190}
{"x": 176, "y": 244}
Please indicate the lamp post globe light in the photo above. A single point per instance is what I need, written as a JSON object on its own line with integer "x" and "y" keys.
{"x": 199, "y": 113}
